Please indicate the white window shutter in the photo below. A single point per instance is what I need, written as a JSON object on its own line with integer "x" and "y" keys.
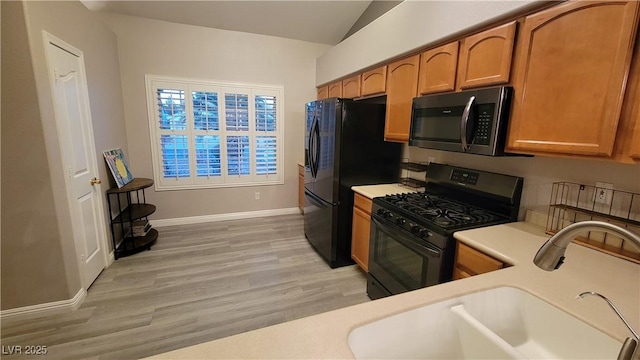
{"x": 214, "y": 134}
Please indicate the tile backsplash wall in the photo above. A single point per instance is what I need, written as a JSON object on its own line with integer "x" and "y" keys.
{"x": 539, "y": 172}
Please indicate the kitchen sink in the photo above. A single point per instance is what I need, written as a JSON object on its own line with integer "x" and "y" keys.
{"x": 500, "y": 323}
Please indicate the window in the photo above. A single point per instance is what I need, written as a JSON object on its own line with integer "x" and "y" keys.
{"x": 212, "y": 134}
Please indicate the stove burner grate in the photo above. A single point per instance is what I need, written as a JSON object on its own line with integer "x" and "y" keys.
{"x": 440, "y": 211}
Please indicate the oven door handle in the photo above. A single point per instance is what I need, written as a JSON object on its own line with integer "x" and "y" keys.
{"x": 404, "y": 239}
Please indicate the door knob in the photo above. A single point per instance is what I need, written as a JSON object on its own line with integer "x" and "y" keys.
{"x": 96, "y": 181}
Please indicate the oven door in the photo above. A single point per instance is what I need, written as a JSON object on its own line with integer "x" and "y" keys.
{"x": 400, "y": 261}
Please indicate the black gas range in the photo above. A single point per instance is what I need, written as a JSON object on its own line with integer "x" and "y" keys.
{"x": 412, "y": 244}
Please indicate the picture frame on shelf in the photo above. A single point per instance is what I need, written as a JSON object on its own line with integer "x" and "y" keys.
{"x": 118, "y": 165}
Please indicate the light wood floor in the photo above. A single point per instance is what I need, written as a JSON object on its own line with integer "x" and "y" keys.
{"x": 198, "y": 283}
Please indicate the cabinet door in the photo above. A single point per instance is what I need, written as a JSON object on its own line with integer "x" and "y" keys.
{"x": 335, "y": 89}
{"x": 635, "y": 140}
{"x": 460, "y": 274}
{"x": 474, "y": 262}
{"x": 374, "y": 81}
{"x": 627, "y": 144}
{"x": 351, "y": 87}
{"x": 573, "y": 61}
{"x": 301, "y": 188}
{"x": 402, "y": 85}
{"x": 438, "y": 69}
{"x": 360, "y": 238}
{"x": 323, "y": 92}
{"x": 485, "y": 58}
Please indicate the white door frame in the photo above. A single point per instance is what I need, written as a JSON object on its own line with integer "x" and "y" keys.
{"x": 51, "y": 39}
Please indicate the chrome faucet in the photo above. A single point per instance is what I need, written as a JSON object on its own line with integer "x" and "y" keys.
{"x": 551, "y": 255}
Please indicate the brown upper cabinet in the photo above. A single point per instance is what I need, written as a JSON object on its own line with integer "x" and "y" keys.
{"x": 402, "y": 86}
{"x": 485, "y": 58}
{"x": 351, "y": 87}
{"x": 627, "y": 144}
{"x": 335, "y": 89}
{"x": 438, "y": 69}
{"x": 323, "y": 92}
{"x": 635, "y": 141}
{"x": 634, "y": 144}
{"x": 573, "y": 61}
{"x": 374, "y": 81}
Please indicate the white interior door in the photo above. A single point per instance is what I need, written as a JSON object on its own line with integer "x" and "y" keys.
{"x": 73, "y": 120}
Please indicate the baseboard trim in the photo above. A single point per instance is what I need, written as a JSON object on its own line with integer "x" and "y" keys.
{"x": 46, "y": 309}
{"x": 222, "y": 217}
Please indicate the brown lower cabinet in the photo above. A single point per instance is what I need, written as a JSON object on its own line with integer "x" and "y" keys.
{"x": 301, "y": 188}
{"x": 470, "y": 262}
{"x": 360, "y": 231}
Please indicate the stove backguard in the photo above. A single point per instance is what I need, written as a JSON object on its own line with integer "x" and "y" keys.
{"x": 495, "y": 192}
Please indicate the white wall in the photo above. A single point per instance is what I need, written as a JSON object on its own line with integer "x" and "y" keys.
{"x": 407, "y": 27}
{"x": 155, "y": 47}
{"x": 39, "y": 263}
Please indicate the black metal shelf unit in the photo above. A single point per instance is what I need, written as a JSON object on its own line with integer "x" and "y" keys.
{"x": 135, "y": 237}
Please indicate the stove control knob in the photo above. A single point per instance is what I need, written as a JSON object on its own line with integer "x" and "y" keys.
{"x": 385, "y": 213}
{"x": 415, "y": 229}
{"x": 423, "y": 233}
{"x": 400, "y": 221}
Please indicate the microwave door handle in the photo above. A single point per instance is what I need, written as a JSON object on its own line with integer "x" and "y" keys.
{"x": 464, "y": 122}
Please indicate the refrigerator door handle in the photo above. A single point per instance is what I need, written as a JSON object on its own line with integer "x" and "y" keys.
{"x": 309, "y": 148}
{"x": 315, "y": 200}
{"x": 313, "y": 148}
{"x": 318, "y": 201}
{"x": 317, "y": 149}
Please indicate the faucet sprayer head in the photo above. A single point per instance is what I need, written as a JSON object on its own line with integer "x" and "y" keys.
{"x": 551, "y": 255}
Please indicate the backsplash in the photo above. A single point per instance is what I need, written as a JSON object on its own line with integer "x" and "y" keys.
{"x": 539, "y": 172}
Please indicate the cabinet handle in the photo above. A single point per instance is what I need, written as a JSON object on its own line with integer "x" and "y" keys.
{"x": 95, "y": 181}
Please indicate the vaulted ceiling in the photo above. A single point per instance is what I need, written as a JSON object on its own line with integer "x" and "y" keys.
{"x": 325, "y": 21}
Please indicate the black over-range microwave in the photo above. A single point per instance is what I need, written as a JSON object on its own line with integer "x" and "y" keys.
{"x": 473, "y": 122}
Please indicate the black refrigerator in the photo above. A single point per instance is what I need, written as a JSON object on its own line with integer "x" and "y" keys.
{"x": 344, "y": 146}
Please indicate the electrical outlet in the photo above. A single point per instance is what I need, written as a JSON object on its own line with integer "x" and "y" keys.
{"x": 257, "y": 195}
{"x": 604, "y": 193}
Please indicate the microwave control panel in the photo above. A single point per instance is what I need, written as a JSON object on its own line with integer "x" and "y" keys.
{"x": 484, "y": 120}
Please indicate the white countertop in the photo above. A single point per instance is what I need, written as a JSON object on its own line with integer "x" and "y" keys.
{"x": 372, "y": 191}
{"x": 325, "y": 335}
